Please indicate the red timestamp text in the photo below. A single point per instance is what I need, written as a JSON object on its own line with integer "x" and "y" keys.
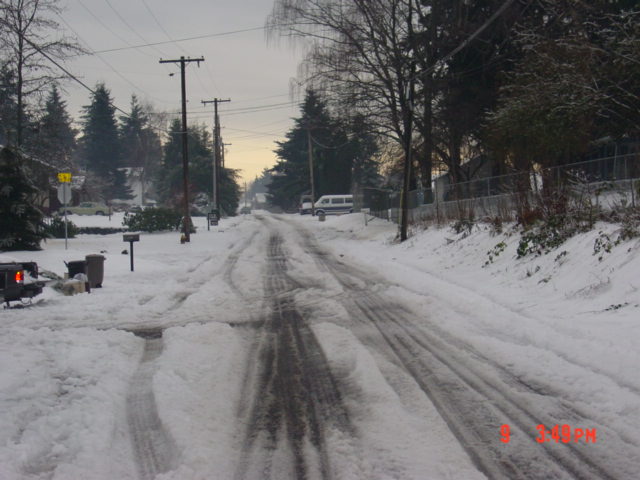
{"x": 558, "y": 434}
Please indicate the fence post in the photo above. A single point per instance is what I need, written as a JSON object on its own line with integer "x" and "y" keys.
{"x": 435, "y": 201}
{"x": 626, "y": 171}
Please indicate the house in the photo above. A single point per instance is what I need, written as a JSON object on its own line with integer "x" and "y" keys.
{"x": 480, "y": 176}
{"x": 44, "y": 177}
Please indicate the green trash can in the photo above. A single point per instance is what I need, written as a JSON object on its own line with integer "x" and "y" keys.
{"x": 75, "y": 267}
{"x": 95, "y": 270}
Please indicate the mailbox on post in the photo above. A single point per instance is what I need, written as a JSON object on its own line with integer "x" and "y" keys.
{"x": 213, "y": 217}
{"x": 131, "y": 237}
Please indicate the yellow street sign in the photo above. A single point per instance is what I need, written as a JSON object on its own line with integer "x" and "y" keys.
{"x": 64, "y": 177}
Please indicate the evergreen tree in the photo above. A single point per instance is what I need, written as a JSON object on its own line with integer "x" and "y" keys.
{"x": 363, "y": 149}
{"x": 169, "y": 174}
{"x": 259, "y": 185}
{"x": 20, "y": 221}
{"x": 133, "y": 128}
{"x": 200, "y": 160}
{"x": 229, "y": 190}
{"x": 8, "y": 105}
{"x": 100, "y": 141}
{"x": 119, "y": 188}
{"x": 54, "y": 141}
{"x": 141, "y": 148}
{"x": 291, "y": 174}
{"x": 339, "y": 150}
{"x": 169, "y": 179}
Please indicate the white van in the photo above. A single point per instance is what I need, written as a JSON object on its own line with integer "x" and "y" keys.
{"x": 327, "y": 204}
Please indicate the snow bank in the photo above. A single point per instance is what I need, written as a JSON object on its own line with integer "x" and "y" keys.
{"x": 62, "y": 396}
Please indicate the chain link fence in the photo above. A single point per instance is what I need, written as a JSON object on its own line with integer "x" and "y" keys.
{"x": 604, "y": 183}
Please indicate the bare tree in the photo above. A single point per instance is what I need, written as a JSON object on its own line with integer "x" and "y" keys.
{"x": 30, "y": 43}
{"x": 358, "y": 54}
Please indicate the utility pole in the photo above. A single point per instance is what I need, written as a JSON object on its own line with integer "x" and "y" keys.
{"x": 215, "y": 197}
{"x": 186, "y": 224}
{"x": 224, "y": 145}
{"x": 408, "y": 147}
{"x": 310, "y": 155}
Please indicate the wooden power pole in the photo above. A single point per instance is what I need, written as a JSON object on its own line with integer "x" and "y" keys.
{"x": 310, "y": 159}
{"x": 186, "y": 224}
{"x": 215, "y": 197}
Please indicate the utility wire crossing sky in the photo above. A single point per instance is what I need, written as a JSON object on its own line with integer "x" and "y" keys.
{"x": 127, "y": 39}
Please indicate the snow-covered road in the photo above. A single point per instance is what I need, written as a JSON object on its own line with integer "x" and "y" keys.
{"x": 277, "y": 347}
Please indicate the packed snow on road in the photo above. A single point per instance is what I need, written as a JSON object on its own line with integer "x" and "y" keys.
{"x": 281, "y": 347}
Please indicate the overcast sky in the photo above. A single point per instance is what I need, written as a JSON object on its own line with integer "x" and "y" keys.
{"x": 240, "y": 66}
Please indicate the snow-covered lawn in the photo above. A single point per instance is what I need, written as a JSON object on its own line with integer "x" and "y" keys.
{"x": 566, "y": 323}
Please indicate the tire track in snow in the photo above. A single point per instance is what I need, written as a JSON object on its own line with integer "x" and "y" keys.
{"x": 610, "y": 375}
{"x": 475, "y": 403}
{"x": 231, "y": 263}
{"x": 154, "y": 449}
{"x": 296, "y": 398}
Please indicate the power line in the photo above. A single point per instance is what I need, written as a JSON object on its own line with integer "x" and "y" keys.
{"x": 252, "y": 132}
{"x": 335, "y": 147}
{"x": 144, "y": 2}
{"x": 129, "y": 26}
{"x": 84, "y": 85}
{"x": 69, "y": 74}
{"x": 262, "y": 98}
{"x": 164, "y": 30}
{"x": 198, "y": 37}
{"x": 111, "y": 67}
{"x": 257, "y": 109}
{"x": 243, "y": 109}
{"x": 104, "y": 25}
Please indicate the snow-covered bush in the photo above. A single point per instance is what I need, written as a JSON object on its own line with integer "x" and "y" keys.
{"x": 56, "y": 228}
{"x": 153, "y": 220}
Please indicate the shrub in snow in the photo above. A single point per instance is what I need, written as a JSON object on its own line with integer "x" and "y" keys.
{"x": 153, "y": 220}
{"x": 56, "y": 228}
{"x": 100, "y": 230}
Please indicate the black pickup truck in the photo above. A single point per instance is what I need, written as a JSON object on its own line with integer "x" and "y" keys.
{"x": 12, "y": 281}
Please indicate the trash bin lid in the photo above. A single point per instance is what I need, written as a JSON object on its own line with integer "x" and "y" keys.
{"x": 95, "y": 256}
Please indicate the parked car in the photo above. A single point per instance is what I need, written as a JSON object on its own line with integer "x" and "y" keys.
{"x": 14, "y": 285}
{"x": 135, "y": 209}
{"x": 87, "y": 208}
{"x": 245, "y": 210}
{"x": 327, "y": 204}
{"x": 306, "y": 202}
